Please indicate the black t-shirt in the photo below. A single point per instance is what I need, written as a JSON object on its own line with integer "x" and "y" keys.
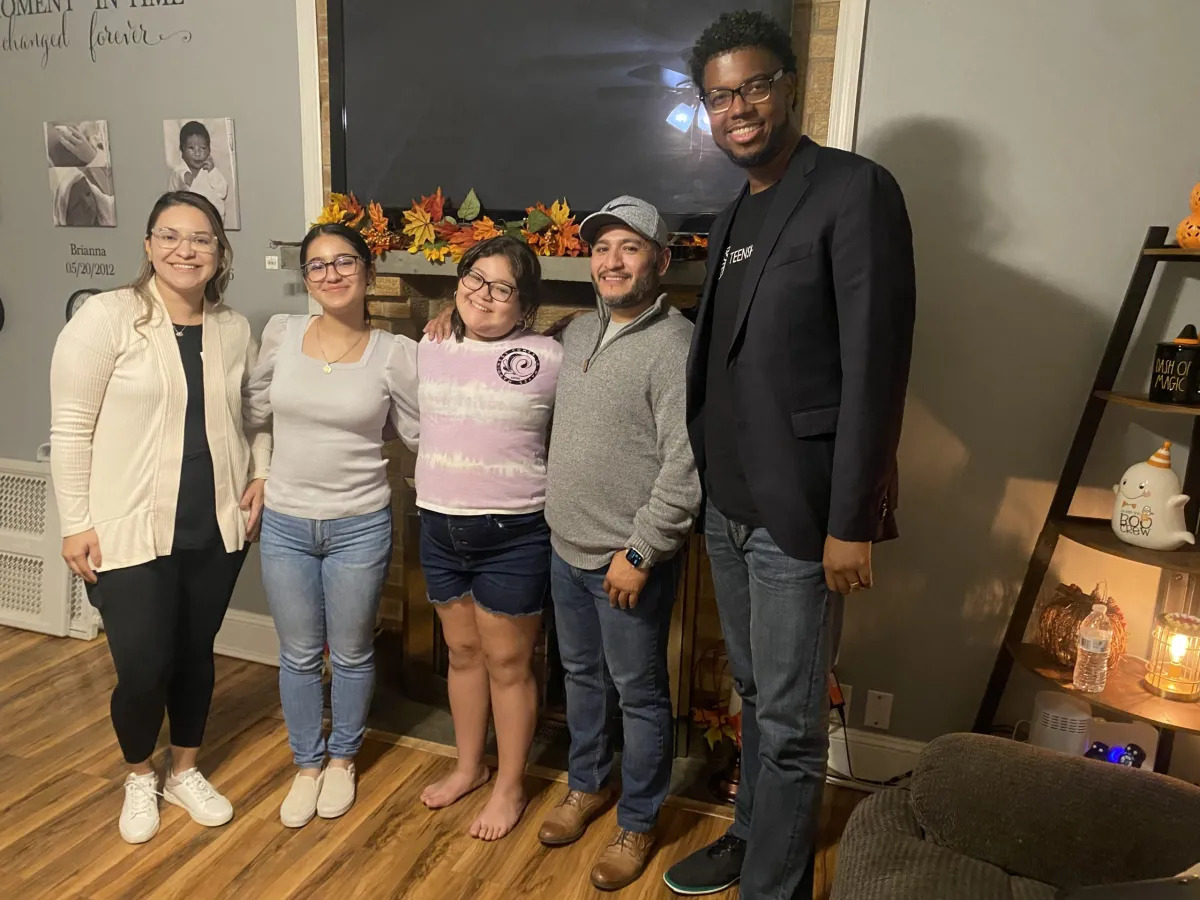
{"x": 725, "y": 477}
{"x": 196, "y": 507}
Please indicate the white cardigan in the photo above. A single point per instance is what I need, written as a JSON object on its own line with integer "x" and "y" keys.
{"x": 117, "y": 402}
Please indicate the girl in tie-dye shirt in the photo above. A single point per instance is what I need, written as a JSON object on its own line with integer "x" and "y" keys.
{"x": 486, "y": 398}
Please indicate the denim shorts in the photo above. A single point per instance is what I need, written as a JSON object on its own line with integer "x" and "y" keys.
{"x": 502, "y": 562}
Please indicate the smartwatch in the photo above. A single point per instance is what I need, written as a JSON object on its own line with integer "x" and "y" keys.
{"x": 636, "y": 559}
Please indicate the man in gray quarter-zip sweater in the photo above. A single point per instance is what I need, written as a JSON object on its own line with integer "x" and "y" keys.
{"x": 621, "y": 499}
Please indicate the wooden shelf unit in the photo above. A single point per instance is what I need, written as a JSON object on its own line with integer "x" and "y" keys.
{"x": 1171, "y": 252}
{"x": 1098, "y": 535}
{"x": 1125, "y": 693}
{"x": 1140, "y": 401}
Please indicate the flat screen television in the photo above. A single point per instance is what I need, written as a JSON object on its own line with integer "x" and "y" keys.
{"x": 527, "y": 101}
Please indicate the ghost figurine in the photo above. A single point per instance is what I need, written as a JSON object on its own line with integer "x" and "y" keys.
{"x": 1148, "y": 511}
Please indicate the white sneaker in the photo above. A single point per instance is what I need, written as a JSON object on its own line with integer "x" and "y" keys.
{"x": 300, "y": 804}
{"x": 192, "y": 791}
{"x": 139, "y": 813}
{"x": 337, "y": 794}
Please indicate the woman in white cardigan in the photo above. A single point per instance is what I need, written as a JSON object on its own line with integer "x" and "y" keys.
{"x": 160, "y": 490}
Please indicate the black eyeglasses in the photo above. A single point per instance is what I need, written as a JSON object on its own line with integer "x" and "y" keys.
{"x": 318, "y": 269}
{"x": 753, "y": 91}
{"x": 500, "y": 291}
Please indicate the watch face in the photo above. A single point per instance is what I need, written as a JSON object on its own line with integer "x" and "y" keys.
{"x": 77, "y": 300}
{"x": 635, "y": 558}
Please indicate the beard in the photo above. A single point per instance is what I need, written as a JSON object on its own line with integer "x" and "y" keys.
{"x": 642, "y": 289}
{"x": 775, "y": 143}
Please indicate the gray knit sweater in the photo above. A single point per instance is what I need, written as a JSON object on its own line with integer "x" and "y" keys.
{"x": 620, "y": 472}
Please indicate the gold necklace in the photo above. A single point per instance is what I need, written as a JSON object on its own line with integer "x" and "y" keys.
{"x": 328, "y": 367}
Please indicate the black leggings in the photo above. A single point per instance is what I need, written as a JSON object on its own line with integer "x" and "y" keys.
{"x": 161, "y": 619}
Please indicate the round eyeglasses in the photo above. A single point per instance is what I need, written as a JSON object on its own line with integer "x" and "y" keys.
{"x": 170, "y": 239}
{"x": 500, "y": 291}
{"x": 318, "y": 269}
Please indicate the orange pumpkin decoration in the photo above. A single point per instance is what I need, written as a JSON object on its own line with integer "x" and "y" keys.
{"x": 1187, "y": 235}
{"x": 1188, "y": 232}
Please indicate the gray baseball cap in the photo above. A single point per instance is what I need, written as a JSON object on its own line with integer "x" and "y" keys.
{"x": 630, "y": 211}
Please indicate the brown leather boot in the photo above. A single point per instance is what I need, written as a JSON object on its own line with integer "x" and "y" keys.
{"x": 624, "y": 860}
{"x": 566, "y": 823}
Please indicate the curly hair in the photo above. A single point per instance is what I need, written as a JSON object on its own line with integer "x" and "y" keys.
{"x": 193, "y": 129}
{"x": 737, "y": 31}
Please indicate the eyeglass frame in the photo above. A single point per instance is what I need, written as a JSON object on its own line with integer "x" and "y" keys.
{"x": 488, "y": 284}
{"x": 190, "y": 238}
{"x": 325, "y": 266}
{"x": 738, "y": 91}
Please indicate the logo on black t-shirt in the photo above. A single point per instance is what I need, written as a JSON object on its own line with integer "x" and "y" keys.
{"x": 518, "y": 365}
{"x": 733, "y": 258}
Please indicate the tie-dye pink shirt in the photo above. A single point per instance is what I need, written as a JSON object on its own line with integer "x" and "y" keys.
{"x": 485, "y": 415}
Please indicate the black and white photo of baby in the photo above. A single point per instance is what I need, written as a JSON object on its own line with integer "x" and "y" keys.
{"x": 201, "y": 158}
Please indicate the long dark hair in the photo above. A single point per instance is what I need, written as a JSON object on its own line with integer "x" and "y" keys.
{"x": 214, "y": 291}
{"x": 526, "y": 269}
{"x": 351, "y": 237}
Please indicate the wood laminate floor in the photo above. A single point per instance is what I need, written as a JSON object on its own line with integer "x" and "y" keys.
{"x": 60, "y": 796}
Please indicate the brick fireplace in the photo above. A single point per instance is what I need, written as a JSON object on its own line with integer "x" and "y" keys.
{"x": 402, "y": 305}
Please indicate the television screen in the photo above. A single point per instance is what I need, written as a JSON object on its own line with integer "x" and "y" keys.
{"x": 528, "y": 101}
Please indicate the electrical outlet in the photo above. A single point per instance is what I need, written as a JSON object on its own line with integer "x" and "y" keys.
{"x": 878, "y": 713}
{"x": 272, "y": 262}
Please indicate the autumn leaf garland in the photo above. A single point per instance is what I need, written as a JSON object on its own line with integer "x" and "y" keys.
{"x": 552, "y": 231}
{"x": 429, "y": 229}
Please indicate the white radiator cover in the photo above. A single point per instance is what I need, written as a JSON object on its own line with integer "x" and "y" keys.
{"x": 37, "y": 590}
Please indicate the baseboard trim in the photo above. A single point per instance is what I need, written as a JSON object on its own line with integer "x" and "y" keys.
{"x": 876, "y": 756}
{"x": 249, "y": 636}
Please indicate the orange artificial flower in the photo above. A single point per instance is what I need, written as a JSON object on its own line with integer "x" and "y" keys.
{"x": 485, "y": 228}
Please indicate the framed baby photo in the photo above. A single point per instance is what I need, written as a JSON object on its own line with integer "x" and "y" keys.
{"x": 201, "y": 156}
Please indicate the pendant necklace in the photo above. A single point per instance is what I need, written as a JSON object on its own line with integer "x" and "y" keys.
{"x": 328, "y": 367}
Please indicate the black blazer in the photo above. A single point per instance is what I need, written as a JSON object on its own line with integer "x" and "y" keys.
{"x": 820, "y": 354}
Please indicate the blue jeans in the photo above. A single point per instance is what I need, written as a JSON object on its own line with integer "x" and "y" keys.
{"x": 601, "y": 645}
{"x": 501, "y": 561}
{"x": 781, "y": 626}
{"x": 323, "y": 579}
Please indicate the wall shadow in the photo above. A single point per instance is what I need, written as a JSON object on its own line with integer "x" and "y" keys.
{"x": 1002, "y": 363}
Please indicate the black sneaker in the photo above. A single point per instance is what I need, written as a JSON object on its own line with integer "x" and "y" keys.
{"x": 710, "y": 869}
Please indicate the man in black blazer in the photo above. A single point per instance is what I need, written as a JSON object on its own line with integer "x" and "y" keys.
{"x": 796, "y": 386}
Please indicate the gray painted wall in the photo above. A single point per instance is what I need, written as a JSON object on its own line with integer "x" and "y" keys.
{"x": 240, "y": 62}
{"x": 1035, "y": 143}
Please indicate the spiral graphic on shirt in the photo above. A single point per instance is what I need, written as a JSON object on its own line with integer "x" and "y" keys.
{"x": 518, "y": 366}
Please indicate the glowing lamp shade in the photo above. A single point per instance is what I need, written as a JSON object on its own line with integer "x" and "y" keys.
{"x": 681, "y": 117}
{"x": 702, "y": 120}
{"x": 1174, "y": 667}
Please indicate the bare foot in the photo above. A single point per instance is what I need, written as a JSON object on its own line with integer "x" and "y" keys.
{"x": 454, "y": 787}
{"x": 501, "y": 814}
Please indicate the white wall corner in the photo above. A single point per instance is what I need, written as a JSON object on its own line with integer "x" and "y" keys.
{"x": 249, "y": 636}
{"x": 310, "y": 108}
{"x": 847, "y": 74}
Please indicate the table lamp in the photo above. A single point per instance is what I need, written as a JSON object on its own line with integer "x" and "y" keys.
{"x": 1173, "y": 670}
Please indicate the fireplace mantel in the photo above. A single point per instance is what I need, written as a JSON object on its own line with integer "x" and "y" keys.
{"x": 681, "y": 273}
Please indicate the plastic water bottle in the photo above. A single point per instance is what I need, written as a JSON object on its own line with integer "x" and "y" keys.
{"x": 1092, "y": 649}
